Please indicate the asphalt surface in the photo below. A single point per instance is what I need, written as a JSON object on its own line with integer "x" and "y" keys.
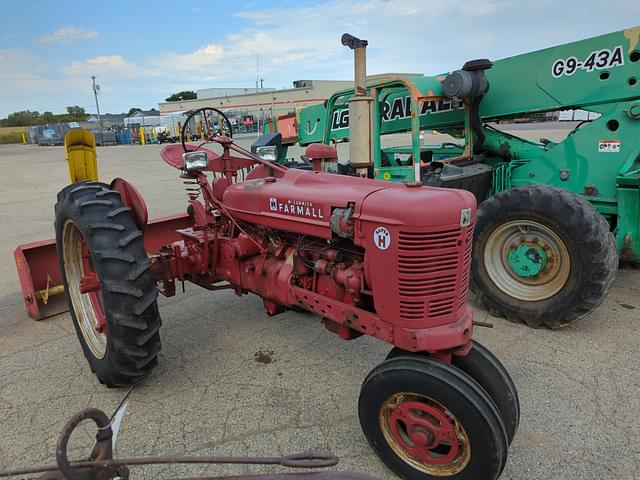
{"x": 233, "y": 381}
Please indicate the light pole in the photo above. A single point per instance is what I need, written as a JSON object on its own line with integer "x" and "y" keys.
{"x": 96, "y": 89}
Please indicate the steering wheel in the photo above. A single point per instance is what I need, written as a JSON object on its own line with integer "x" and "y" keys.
{"x": 228, "y": 128}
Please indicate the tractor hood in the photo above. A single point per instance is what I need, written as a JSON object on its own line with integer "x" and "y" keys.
{"x": 302, "y": 202}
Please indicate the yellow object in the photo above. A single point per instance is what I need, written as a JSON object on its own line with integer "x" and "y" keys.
{"x": 80, "y": 151}
{"x": 142, "y": 139}
{"x": 24, "y": 138}
{"x": 44, "y": 294}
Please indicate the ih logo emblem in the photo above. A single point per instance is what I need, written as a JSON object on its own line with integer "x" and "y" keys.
{"x": 273, "y": 204}
{"x": 465, "y": 217}
{"x": 382, "y": 238}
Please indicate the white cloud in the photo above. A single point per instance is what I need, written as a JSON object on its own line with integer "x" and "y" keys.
{"x": 204, "y": 56}
{"x": 113, "y": 65}
{"x": 68, "y": 34}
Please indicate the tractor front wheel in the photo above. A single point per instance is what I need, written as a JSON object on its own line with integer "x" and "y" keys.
{"x": 108, "y": 282}
{"x": 427, "y": 420}
{"x": 542, "y": 256}
{"x": 483, "y": 366}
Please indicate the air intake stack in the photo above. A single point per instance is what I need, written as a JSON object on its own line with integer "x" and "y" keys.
{"x": 360, "y": 155}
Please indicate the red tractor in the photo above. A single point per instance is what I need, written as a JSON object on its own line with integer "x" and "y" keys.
{"x": 354, "y": 251}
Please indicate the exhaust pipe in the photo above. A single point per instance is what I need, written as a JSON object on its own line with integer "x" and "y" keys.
{"x": 360, "y": 155}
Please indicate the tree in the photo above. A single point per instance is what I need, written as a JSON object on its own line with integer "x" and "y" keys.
{"x": 133, "y": 110}
{"x": 48, "y": 117}
{"x": 76, "y": 113}
{"x": 184, "y": 95}
{"x": 23, "y": 118}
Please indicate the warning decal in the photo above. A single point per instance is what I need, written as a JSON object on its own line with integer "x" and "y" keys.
{"x": 609, "y": 146}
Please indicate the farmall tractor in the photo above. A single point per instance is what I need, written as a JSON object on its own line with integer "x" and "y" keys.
{"x": 354, "y": 251}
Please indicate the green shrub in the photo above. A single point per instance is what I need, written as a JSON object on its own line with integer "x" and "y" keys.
{"x": 10, "y": 137}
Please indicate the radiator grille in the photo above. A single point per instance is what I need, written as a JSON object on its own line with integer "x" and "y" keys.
{"x": 431, "y": 280}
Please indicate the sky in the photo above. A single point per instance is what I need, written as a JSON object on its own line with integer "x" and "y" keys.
{"x": 143, "y": 51}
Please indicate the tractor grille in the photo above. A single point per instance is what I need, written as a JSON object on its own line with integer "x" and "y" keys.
{"x": 431, "y": 281}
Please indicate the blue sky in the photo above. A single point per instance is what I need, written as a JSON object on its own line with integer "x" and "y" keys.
{"x": 142, "y": 51}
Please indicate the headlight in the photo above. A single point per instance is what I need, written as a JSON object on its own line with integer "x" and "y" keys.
{"x": 268, "y": 153}
{"x": 195, "y": 160}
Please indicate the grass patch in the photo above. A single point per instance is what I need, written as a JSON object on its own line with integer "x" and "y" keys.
{"x": 10, "y": 137}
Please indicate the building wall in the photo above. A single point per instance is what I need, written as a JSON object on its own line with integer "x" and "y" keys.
{"x": 264, "y": 103}
{"x": 222, "y": 92}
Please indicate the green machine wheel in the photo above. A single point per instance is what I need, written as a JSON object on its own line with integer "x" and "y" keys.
{"x": 542, "y": 256}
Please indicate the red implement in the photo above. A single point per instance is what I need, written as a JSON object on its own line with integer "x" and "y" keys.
{"x": 39, "y": 271}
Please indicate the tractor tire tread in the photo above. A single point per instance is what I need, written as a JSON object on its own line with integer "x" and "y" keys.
{"x": 92, "y": 203}
{"x": 109, "y": 193}
{"x": 149, "y": 333}
{"x": 118, "y": 211}
{"x": 139, "y": 269}
{"x": 123, "y": 289}
{"x": 115, "y": 255}
{"x": 129, "y": 238}
{"x": 145, "y": 302}
{"x": 105, "y": 226}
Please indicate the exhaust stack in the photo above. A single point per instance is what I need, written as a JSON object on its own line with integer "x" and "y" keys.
{"x": 360, "y": 155}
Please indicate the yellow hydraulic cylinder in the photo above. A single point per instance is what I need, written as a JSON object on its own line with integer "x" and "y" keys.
{"x": 80, "y": 152}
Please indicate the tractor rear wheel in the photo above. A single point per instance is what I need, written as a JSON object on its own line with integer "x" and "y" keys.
{"x": 542, "y": 256}
{"x": 426, "y": 420}
{"x": 108, "y": 283}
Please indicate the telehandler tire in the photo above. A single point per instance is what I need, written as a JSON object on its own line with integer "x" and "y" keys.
{"x": 429, "y": 420}
{"x": 542, "y": 256}
{"x": 108, "y": 283}
{"x": 483, "y": 366}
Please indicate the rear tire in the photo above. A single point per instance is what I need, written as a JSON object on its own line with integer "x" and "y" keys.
{"x": 428, "y": 420}
{"x": 118, "y": 323}
{"x": 542, "y": 256}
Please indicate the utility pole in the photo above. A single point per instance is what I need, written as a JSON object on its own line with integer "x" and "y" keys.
{"x": 96, "y": 89}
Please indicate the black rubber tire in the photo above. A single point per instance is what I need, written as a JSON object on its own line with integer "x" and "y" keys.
{"x": 587, "y": 236}
{"x": 128, "y": 290}
{"x": 454, "y": 390}
{"x": 483, "y": 366}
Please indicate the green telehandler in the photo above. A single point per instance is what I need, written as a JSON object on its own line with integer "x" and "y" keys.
{"x": 555, "y": 217}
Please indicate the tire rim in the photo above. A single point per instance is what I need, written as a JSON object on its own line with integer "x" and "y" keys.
{"x": 424, "y": 434}
{"x": 527, "y": 260}
{"x": 88, "y": 307}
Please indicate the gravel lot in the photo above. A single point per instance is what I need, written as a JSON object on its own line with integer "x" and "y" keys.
{"x": 579, "y": 387}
